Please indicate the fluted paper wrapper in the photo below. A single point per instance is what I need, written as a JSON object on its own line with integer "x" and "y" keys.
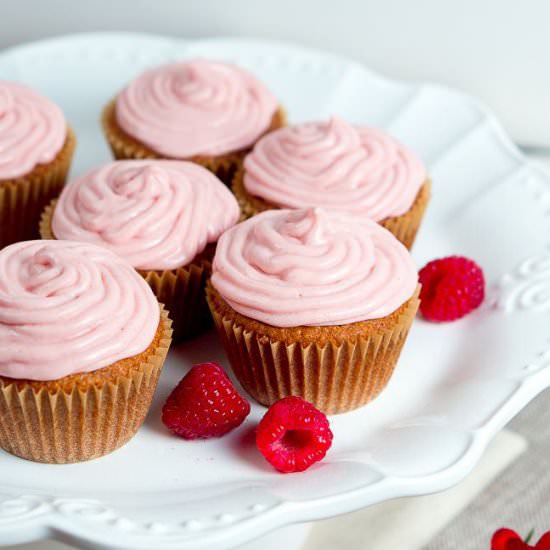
{"x": 183, "y": 293}
{"x": 340, "y": 371}
{"x": 124, "y": 146}
{"x": 404, "y": 227}
{"x": 82, "y": 417}
{"x": 182, "y": 290}
{"x": 23, "y": 199}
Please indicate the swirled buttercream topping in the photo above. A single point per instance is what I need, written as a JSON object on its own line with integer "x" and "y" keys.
{"x": 32, "y": 130}
{"x": 68, "y": 308}
{"x": 195, "y": 108}
{"x": 312, "y": 267}
{"x": 334, "y": 165}
{"x": 156, "y": 214}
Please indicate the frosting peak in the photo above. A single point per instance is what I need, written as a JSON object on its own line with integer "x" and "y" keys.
{"x": 313, "y": 140}
{"x": 147, "y": 180}
{"x": 194, "y": 108}
{"x": 312, "y": 267}
{"x": 334, "y": 165}
{"x": 157, "y": 214}
{"x": 309, "y": 226}
{"x": 69, "y": 307}
{"x": 32, "y": 130}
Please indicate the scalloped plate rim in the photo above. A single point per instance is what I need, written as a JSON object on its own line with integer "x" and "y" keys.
{"x": 301, "y": 511}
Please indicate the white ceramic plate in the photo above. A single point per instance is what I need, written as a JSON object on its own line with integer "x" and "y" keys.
{"x": 456, "y": 385}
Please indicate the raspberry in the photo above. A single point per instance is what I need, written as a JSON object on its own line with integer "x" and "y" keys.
{"x": 506, "y": 539}
{"x": 204, "y": 404}
{"x": 293, "y": 435}
{"x": 451, "y": 288}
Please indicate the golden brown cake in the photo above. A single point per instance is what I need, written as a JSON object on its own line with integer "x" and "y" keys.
{"x": 37, "y": 147}
{"x": 211, "y": 113}
{"x": 79, "y": 366}
{"x": 404, "y": 227}
{"x": 173, "y": 251}
{"x": 337, "y": 166}
{"x": 337, "y": 368}
{"x": 313, "y": 303}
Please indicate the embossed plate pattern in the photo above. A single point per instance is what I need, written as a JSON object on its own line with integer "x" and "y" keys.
{"x": 455, "y": 387}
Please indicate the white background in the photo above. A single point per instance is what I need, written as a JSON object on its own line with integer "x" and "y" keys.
{"x": 498, "y": 50}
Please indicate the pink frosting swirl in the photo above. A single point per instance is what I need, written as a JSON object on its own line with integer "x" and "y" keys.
{"x": 157, "y": 214}
{"x": 337, "y": 166}
{"x": 69, "y": 308}
{"x": 312, "y": 267}
{"x": 195, "y": 108}
{"x": 32, "y": 130}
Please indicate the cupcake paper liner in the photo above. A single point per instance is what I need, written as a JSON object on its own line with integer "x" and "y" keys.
{"x": 404, "y": 227}
{"x": 81, "y": 417}
{"x": 337, "y": 369}
{"x": 23, "y": 199}
{"x": 124, "y": 146}
{"x": 180, "y": 290}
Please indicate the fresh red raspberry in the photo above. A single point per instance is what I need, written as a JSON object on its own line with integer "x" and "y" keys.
{"x": 506, "y": 539}
{"x": 293, "y": 435}
{"x": 451, "y": 288}
{"x": 204, "y": 404}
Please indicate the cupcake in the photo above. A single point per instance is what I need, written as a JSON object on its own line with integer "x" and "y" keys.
{"x": 36, "y": 148}
{"x": 206, "y": 112}
{"x": 162, "y": 216}
{"x": 313, "y": 303}
{"x": 334, "y": 165}
{"x": 83, "y": 343}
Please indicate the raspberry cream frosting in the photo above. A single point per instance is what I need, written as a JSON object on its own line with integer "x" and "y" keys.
{"x": 156, "y": 214}
{"x": 32, "y": 130}
{"x": 68, "y": 308}
{"x": 312, "y": 267}
{"x": 195, "y": 108}
{"x": 334, "y": 165}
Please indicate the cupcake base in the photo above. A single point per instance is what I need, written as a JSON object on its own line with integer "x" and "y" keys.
{"x": 23, "y": 199}
{"x": 404, "y": 227}
{"x": 124, "y": 146}
{"x": 181, "y": 290}
{"x": 82, "y": 416}
{"x": 336, "y": 368}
